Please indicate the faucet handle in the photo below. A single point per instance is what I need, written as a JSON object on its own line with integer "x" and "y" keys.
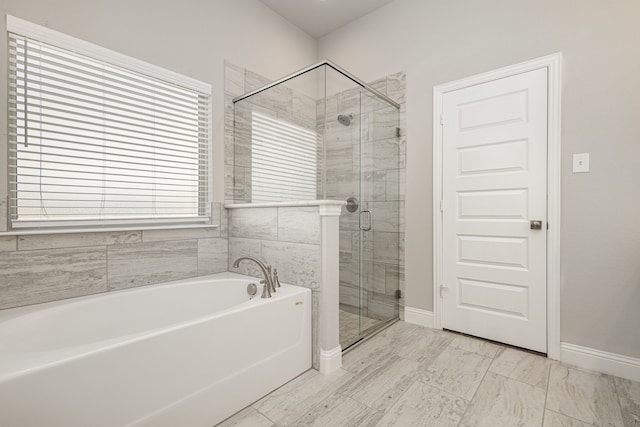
{"x": 266, "y": 292}
{"x": 276, "y": 280}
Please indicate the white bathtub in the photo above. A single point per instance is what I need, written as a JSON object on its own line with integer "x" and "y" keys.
{"x": 186, "y": 353}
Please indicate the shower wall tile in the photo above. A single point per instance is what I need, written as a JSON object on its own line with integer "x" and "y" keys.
{"x": 349, "y": 221}
{"x": 315, "y": 336}
{"x": 346, "y": 243}
{"x": 394, "y": 275}
{"x": 374, "y": 186}
{"x": 386, "y": 215}
{"x": 341, "y": 186}
{"x": 299, "y": 225}
{"x": 254, "y": 223}
{"x": 253, "y": 81}
{"x": 380, "y": 124}
{"x": 241, "y": 184}
{"x": 31, "y": 277}
{"x": 380, "y": 85}
{"x": 213, "y": 256}
{"x": 303, "y": 110}
{"x": 229, "y": 192}
{"x": 349, "y": 270}
{"x": 381, "y": 306}
{"x": 396, "y": 87}
{"x": 224, "y": 221}
{"x": 297, "y": 263}
{"x": 349, "y": 294}
{"x": 179, "y": 234}
{"x": 233, "y": 79}
{"x": 349, "y": 102}
{"x": 8, "y": 243}
{"x": 53, "y": 241}
{"x": 132, "y": 265}
{"x": 339, "y": 160}
{"x": 373, "y": 277}
{"x": 382, "y": 247}
{"x": 395, "y": 184}
{"x": 3, "y": 212}
{"x": 380, "y": 155}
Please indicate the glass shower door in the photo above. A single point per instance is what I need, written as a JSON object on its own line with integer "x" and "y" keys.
{"x": 379, "y": 216}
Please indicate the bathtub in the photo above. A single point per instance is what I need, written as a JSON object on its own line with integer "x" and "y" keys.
{"x": 186, "y": 353}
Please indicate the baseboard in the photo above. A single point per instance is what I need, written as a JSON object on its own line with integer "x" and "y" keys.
{"x": 330, "y": 360}
{"x": 601, "y": 361}
{"x": 418, "y": 317}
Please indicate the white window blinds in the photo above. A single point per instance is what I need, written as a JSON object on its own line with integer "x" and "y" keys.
{"x": 91, "y": 142}
{"x": 283, "y": 161}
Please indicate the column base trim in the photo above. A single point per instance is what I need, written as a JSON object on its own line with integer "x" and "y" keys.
{"x": 330, "y": 360}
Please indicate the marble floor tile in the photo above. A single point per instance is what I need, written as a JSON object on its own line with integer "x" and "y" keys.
{"x": 381, "y": 384}
{"x": 341, "y": 411}
{"x": 248, "y": 417}
{"x": 629, "y": 396}
{"x": 553, "y": 419}
{"x": 417, "y": 343}
{"x": 457, "y": 371}
{"x": 291, "y": 401}
{"x": 585, "y": 396}
{"x": 522, "y": 366}
{"x": 367, "y": 354}
{"x": 475, "y": 345}
{"x": 423, "y": 405}
{"x": 501, "y": 401}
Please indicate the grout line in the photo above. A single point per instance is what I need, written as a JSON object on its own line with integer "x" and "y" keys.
{"x": 519, "y": 381}
{"x": 270, "y": 420}
{"x": 546, "y": 394}
{"x": 572, "y": 418}
{"x": 615, "y": 390}
{"x": 474, "y": 395}
{"x": 106, "y": 267}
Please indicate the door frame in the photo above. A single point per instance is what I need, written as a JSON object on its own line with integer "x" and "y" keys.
{"x": 553, "y": 64}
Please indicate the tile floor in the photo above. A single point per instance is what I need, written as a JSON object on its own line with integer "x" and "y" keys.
{"x": 413, "y": 376}
{"x": 350, "y": 325}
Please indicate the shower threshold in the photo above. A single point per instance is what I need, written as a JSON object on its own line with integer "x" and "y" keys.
{"x": 370, "y": 333}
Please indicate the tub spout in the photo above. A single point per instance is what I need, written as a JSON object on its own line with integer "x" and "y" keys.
{"x": 266, "y": 271}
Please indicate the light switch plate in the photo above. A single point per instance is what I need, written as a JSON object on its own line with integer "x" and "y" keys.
{"x": 581, "y": 163}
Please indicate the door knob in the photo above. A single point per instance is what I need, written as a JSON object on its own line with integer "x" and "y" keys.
{"x": 536, "y": 224}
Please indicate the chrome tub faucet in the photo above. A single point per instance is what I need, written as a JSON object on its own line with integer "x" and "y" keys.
{"x": 268, "y": 280}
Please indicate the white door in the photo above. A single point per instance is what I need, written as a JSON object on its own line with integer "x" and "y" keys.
{"x": 494, "y": 184}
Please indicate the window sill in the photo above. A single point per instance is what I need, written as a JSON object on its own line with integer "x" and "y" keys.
{"x": 29, "y": 232}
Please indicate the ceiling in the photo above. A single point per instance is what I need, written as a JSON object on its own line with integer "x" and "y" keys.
{"x": 319, "y": 17}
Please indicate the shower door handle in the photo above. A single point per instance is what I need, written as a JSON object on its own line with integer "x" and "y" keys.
{"x": 365, "y": 220}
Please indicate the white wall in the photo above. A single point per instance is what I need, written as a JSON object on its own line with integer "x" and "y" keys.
{"x": 191, "y": 37}
{"x": 439, "y": 41}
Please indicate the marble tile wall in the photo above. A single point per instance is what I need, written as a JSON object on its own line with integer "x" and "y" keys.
{"x": 279, "y": 102}
{"x": 371, "y": 146}
{"x": 288, "y": 238}
{"x": 50, "y": 267}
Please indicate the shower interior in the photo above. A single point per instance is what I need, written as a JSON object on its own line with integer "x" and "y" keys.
{"x": 322, "y": 134}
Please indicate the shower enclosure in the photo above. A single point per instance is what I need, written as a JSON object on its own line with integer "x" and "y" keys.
{"x": 321, "y": 133}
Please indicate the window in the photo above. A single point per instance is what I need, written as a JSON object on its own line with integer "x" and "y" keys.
{"x": 283, "y": 161}
{"x": 99, "y": 138}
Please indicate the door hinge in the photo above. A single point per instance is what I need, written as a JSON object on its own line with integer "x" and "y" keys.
{"x": 398, "y": 132}
{"x": 441, "y": 205}
{"x": 398, "y": 294}
{"x": 441, "y": 120}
